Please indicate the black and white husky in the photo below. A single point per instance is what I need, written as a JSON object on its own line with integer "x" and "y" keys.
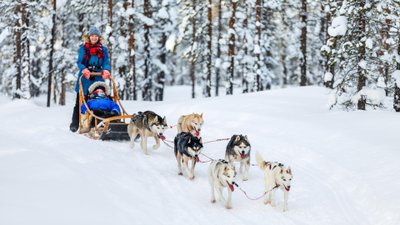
{"x": 238, "y": 150}
{"x": 276, "y": 175}
{"x": 147, "y": 124}
{"x": 187, "y": 147}
{"x": 221, "y": 175}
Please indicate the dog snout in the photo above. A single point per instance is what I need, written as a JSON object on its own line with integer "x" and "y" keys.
{"x": 242, "y": 152}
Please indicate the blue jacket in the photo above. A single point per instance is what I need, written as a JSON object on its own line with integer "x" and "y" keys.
{"x": 93, "y": 61}
{"x": 101, "y": 104}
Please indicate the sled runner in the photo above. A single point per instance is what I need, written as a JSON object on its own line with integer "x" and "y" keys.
{"x": 103, "y": 128}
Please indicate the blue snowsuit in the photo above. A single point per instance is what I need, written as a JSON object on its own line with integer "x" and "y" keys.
{"x": 106, "y": 105}
{"x": 98, "y": 64}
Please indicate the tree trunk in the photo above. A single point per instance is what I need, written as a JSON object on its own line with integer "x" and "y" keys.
{"x": 132, "y": 54}
{"x": 245, "y": 82}
{"x": 303, "y": 46}
{"x": 396, "y": 95}
{"x": 231, "y": 52}
{"x": 18, "y": 54}
{"x": 384, "y": 66}
{"x": 209, "y": 53}
{"x": 218, "y": 68}
{"x": 159, "y": 92}
{"x": 361, "y": 82}
{"x": 123, "y": 69}
{"x": 329, "y": 63}
{"x": 81, "y": 17}
{"x": 53, "y": 34}
{"x": 258, "y": 42}
{"x": 63, "y": 85}
{"x": 193, "y": 57}
{"x": 110, "y": 24}
{"x": 26, "y": 58}
{"x": 146, "y": 94}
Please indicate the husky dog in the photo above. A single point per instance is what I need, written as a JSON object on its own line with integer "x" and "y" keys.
{"x": 190, "y": 123}
{"x": 276, "y": 176}
{"x": 221, "y": 175}
{"x": 187, "y": 147}
{"x": 147, "y": 124}
{"x": 238, "y": 150}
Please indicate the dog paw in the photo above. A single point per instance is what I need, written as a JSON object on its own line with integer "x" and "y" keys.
{"x": 267, "y": 202}
{"x": 180, "y": 173}
{"x": 245, "y": 179}
{"x": 191, "y": 177}
{"x": 228, "y": 207}
{"x": 156, "y": 147}
{"x": 213, "y": 200}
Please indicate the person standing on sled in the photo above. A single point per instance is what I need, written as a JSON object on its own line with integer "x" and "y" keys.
{"x": 92, "y": 57}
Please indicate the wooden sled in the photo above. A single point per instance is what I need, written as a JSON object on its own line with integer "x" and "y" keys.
{"x": 111, "y": 128}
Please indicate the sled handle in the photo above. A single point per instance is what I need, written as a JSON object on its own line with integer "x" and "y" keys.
{"x": 95, "y": 74}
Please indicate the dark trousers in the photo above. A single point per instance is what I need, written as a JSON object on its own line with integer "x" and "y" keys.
{"x": 75, "y": 113}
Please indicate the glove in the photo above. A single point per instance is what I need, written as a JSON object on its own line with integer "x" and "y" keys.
{"x": 86, "y": 73}
{"x": 105, "y": 74}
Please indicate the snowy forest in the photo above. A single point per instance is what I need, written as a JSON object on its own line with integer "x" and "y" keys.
{"x": 220, "y": 47}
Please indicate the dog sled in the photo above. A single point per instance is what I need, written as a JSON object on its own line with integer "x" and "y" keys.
{"x": 96, "y": 127}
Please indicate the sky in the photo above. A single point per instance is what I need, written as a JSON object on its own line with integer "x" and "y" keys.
{"x": 345, "y": 164}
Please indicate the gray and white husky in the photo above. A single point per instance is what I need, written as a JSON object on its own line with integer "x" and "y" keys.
{"x": 147, "y": 124}
{"x": 276, "y": 175}
{"x": 187, "y": 147}
{"x": 238, "y": 150}
{"x": 221, "y": 175}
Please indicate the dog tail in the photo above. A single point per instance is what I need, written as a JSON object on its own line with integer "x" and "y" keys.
{"x": 260, "y": 161}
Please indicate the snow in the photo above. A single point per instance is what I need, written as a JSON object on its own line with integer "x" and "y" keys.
{"x": 345, "y": 164}
{"x": 148, "y": 21}
{"x": 362, "y": 64}
{"x": 396, "y": 76}
{"x": 4, "y": 34}
{"x": 369, "y": 43}
{"x": 328, "y": 76}
{"x": 374, "y": 96}
{"x": 162, "y": 13}
{"x": 171, "y": 43}
{"x": 338, "y": 27}
{"x": 326, "y": 49}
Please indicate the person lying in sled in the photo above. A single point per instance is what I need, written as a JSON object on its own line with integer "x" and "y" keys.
{"x": 100, "y": 102}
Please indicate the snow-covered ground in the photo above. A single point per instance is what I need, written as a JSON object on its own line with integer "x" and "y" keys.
{"x": 345, "y": 164}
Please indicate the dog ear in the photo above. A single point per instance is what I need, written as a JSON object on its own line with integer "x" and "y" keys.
{"x": 289, "y": 171}
{"x": 164, "y": 119}
{"x": 237, "y": 138}
{"x": 201, "y": 141}
{"x": 225, "y": 167}
{"x": 245, "y": 138}
{"x": 201, "y": 115}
